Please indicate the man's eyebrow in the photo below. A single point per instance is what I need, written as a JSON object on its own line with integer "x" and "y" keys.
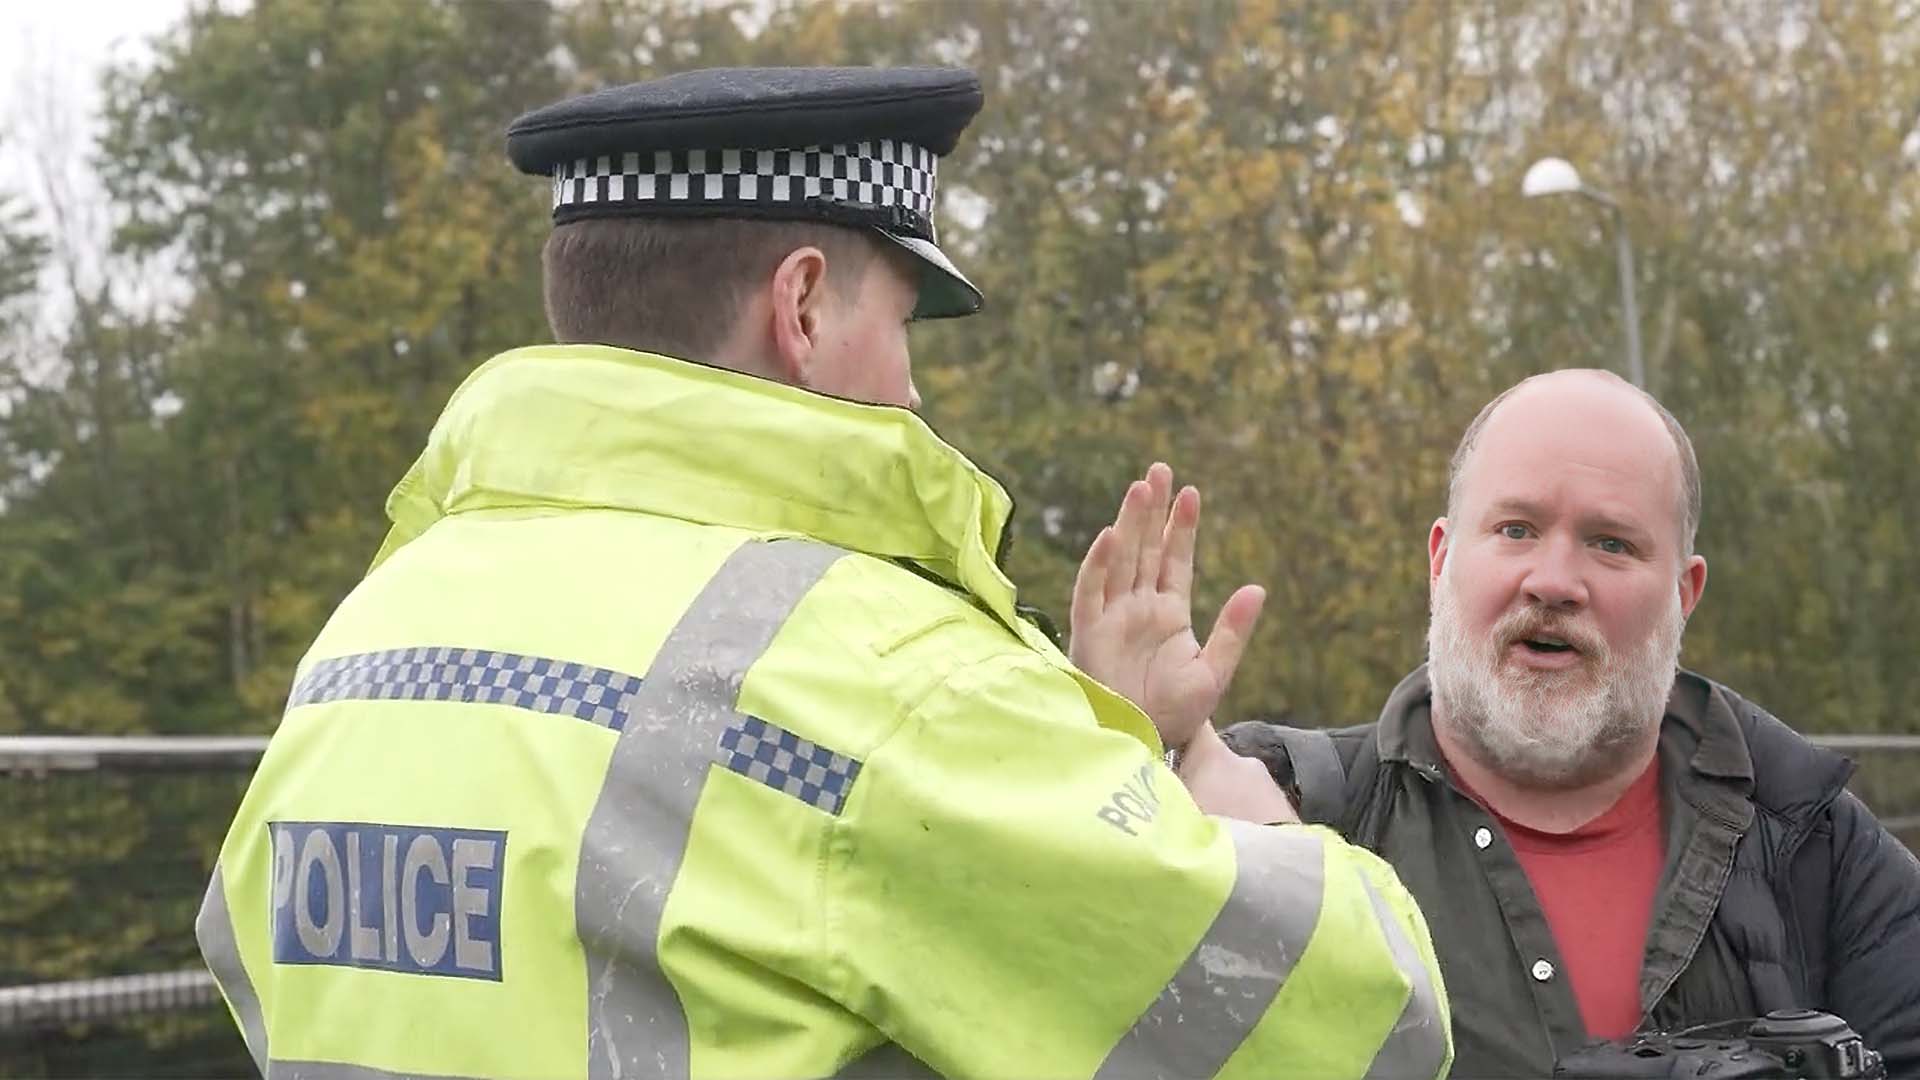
{"x": 1523, "y": 507}
{"x": 1609, "y": 523}
{"x": 1602, "y": 521}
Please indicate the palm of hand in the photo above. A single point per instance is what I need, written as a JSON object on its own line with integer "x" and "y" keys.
{"x": 1143, "y": 648}
{"x": 1133, "y": 612}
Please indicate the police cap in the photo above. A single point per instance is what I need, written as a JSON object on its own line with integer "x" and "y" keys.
{"x": 847, "y": 146}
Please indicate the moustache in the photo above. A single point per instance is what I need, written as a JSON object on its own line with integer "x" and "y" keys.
{"x": 1536, "y": 623}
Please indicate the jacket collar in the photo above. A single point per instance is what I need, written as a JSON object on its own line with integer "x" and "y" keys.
{"x": 1405, "y": 730}
{"x": 1702, "y": 708}
{"x": 1699, "y": 715}
{"x": 595, "y": 426}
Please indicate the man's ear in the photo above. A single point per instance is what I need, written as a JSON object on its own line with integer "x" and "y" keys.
{"x": 1436, "y": 549}
{"x": 798, "y": 291}
{"x": 1693, "y": 583}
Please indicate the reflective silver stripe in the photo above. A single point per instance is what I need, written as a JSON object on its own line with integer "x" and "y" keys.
{"x": 332, "y": 1070}
{"x": 637, "y": 834}
{"x": 886, "y": 1062}
{"x": 214, "y": 929}
{"x": 1223, "y": 990}
{"x": 1417, "y": 1046}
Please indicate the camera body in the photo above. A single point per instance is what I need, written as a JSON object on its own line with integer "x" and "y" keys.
{"x": 1789, "y": 1044}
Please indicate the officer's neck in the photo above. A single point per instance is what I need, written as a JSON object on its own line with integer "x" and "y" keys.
{"x": 748, "y": 353}
{"x": 1550, "y": 808}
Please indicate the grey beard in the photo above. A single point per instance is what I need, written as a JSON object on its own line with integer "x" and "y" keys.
{"x": 1531, "y": 728}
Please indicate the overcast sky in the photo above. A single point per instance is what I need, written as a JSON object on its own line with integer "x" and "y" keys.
{"x": 59, "y": 47}
{"x": 51, "y": 56}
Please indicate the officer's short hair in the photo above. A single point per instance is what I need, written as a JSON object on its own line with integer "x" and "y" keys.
{"x": 677, "y": 285}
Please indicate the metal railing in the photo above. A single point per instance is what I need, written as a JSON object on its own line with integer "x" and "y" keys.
{"x": 82, "y": 1001}
{"x": 93, "y": 820}
{"x": 1871, "y": 749}
{"x": 109, "y": 843}
{"x": 1864, "y": 742}
{"x": 57, "y": 1004}
{"x": 39, "y": 754}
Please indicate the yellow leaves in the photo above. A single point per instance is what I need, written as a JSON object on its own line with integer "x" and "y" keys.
{"x": 1367, "y": 368}
{"x": 347, "y": 416}
{"x": 1206, "y": 202}
{"x": 431, "y": 239}
{"x": 813, "y": 29}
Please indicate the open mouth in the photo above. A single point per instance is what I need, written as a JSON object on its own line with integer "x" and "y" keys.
{"x": 1547, "y": 644}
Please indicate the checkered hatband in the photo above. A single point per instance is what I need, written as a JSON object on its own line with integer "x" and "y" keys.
{"x": 885, "y": 182}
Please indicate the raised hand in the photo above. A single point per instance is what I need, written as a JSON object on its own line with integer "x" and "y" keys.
{"x": 1132, "y": 617}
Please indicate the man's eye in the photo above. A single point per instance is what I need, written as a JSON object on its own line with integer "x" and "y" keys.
{"x": 1513, "y": 531}
{"x": 1613, "y": 545}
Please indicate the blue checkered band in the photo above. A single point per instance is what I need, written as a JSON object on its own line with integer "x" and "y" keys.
{"x": 882, "y": 173}
{"x": 478, "y": 676}
{"x": 786, "y": 762}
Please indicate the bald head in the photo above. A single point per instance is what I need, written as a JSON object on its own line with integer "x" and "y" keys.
{"x": 1585, "y": 408}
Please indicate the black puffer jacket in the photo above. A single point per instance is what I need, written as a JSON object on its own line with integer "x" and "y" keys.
{"x": 1780, "y": 889}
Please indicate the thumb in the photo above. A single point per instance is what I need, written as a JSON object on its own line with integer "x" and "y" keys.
{"x": 1231, "y": 631}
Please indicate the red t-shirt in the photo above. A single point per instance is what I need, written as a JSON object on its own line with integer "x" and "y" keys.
{"x": 1597, "y": 885}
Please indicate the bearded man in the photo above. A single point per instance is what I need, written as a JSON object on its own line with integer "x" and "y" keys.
{"x": 1602, "y": 843}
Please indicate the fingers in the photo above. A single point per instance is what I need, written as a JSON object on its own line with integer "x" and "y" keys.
{"x": 1183, "y": 525}
{"x": 1154, "y": 528}
{"x": 1231, "y": 632}
{"x": 1090, "y": 584}
{"x": 1129, "y": 534}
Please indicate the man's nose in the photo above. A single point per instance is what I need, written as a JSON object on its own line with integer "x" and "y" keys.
{"x": 1556, "y": 579}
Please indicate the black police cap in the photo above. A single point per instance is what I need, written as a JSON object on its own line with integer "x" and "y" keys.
{"x": 848, "y": 146}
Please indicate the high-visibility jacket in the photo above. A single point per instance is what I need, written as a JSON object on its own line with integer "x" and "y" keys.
{"x": 685, "y": 727}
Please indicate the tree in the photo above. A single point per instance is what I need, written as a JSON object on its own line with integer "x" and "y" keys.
{"x": 1277, "y": 244}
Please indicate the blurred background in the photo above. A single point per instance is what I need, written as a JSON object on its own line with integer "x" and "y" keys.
{"x": 247, "y": 250}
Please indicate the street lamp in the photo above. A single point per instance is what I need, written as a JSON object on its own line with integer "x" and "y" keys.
{"x": 1555, "y": 176}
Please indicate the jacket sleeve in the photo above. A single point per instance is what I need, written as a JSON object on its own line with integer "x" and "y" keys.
{"x": 1016, "y": 890}
{"x": 1305, "y": 763}
{"x": 1873, "y": 936}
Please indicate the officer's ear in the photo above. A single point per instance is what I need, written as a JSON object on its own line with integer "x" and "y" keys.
{"x": 800, "y": 294}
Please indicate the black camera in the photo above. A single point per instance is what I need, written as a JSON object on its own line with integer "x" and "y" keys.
{"x": 1790, "y": 1044}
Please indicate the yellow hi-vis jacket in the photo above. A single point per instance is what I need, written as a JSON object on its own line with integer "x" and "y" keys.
{"x": 685, "y": 727}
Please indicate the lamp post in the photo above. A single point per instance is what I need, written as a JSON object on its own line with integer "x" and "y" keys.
{"x": 1555, "y": 176}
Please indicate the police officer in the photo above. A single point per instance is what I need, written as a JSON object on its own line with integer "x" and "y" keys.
{"x": 685, "y": 724}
